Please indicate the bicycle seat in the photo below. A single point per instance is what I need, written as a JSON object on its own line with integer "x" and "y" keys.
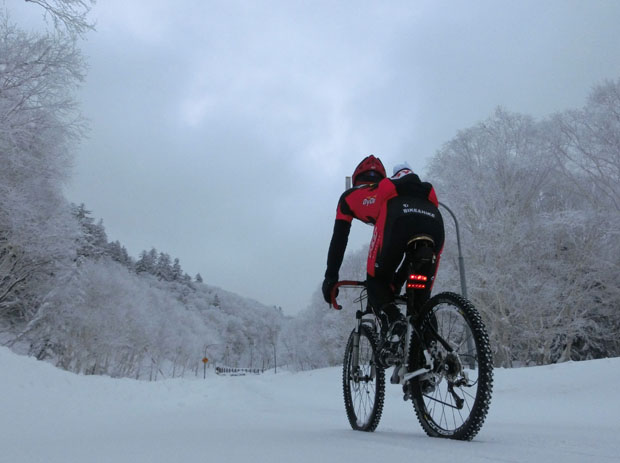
{"x": 421, "y": 240}
{"x": 421, "y": 249}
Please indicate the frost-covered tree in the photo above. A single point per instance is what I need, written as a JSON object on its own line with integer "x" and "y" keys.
{"x": 110, "y": 321}
{"x": 177, "y": 271}
{"x": 538, "y": 254}
{"x": 163, "y": 267}
{"x": 68, "y": 15}
{"x": 93, "y": 241}
{"x": 587, "y": 143}
{"x": 119, "y": 254}
{"x": 38, "y": 125}
{"x": 147, "y": 262}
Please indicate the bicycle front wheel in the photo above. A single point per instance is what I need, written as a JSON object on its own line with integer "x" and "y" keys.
{"x": 453, "y": 399}
{"x": 363, "y": 381}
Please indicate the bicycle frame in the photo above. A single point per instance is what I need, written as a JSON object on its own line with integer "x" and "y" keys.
{"x": 400, "y": 375}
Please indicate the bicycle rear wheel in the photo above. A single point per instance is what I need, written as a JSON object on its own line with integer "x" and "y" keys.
{"x": 453, "y": 400}
{"x": 364, "y": 384}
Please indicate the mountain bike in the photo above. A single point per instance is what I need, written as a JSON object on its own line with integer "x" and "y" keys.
{"x": 443, "y": 362}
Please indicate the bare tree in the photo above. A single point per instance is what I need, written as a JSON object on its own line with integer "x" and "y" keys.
{"x": 38, "y": 123}
{"x": 587, "y": 143}
{"x": 38, "y": 75}
{"x": 68, "y": 15}
{"x": 541, "y": 260}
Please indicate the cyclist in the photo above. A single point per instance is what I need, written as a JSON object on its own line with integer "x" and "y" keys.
{"x": 399, "y": 208}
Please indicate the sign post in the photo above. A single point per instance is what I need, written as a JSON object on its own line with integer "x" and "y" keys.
{"x": 204, "y": 362}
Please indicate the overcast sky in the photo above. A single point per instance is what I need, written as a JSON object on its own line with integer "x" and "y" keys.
{"x": 221, "y": 131}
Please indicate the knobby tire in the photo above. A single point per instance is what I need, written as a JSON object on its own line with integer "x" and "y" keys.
{"x": 363, "y": 398}
{"x": 455, "y": 319}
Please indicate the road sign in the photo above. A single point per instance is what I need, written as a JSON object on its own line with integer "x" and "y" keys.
{"x": 204, "y": 362}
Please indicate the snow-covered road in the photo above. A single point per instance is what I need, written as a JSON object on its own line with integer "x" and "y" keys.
{"x": 564, "y": 413}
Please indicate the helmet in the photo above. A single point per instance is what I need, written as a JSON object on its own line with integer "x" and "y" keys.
{"x": 370, "y": 170}
{"x": 401, "y": 169}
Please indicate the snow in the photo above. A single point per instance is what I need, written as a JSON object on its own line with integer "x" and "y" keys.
{"x": 568, "y": 412}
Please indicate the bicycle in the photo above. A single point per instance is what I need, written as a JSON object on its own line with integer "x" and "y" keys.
{"x": 443, "y": 363}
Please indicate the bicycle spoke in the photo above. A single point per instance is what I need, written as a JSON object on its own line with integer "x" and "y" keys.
{"x": 463, "y": 370}
{"x": 363, "y": 390}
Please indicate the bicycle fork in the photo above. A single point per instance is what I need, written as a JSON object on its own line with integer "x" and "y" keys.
{"x": 355, "y": 360}
{"x": 355, "y": 354}
{"x": 355, "y": 372}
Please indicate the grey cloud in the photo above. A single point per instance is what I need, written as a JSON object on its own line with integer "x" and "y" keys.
{"x": 222, "y": 131}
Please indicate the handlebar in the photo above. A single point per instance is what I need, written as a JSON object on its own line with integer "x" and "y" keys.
{"x": 347, "y": 283}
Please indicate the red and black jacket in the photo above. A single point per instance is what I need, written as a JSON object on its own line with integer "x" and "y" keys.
{"x": 368, "y": 203}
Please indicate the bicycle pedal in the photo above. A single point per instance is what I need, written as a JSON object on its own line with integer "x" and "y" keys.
{"x": 407, "y": 392}
{"x": 395, "y": 378}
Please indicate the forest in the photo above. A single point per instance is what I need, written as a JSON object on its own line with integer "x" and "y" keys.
{"x": 538, "y": 204}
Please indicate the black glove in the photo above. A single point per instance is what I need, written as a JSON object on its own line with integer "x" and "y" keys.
{"x": 328, "y": 285}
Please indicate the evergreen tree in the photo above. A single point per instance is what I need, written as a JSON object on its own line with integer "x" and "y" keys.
{"x": 126, "y": 258}
{"x": 94, "y": 242}
{"x": 177, "y": 272}
{"x": 147, "y": 261}
{"x": 163, "y": 268}
{"x": 119, "y": 254}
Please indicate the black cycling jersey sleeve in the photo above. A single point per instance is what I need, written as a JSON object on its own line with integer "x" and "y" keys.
{"x": 337, "y": 247}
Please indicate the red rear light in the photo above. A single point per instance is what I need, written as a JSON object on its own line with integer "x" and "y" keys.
{"x": 417, "y": 281}
{"x": 416, "y": 285}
